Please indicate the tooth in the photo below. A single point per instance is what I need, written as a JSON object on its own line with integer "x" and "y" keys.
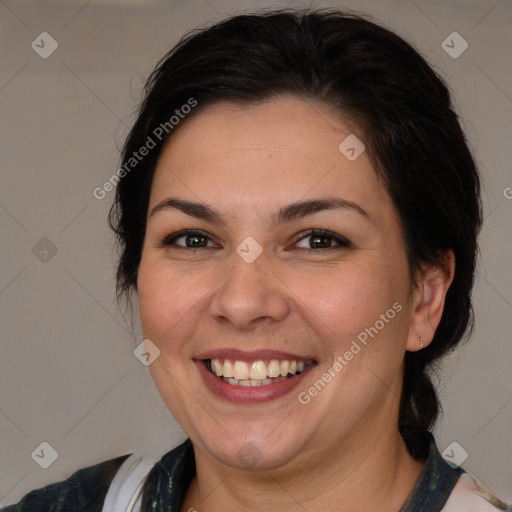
{"x": 245, "y": 383}
{"x": 258, "y": 370}
{"x": 241, "y": 370}
{"x": 227, "y": 369}
{"x": 256, "y": 373}
{"x": 216, "y": 367}
{"x": 274, "y": 369}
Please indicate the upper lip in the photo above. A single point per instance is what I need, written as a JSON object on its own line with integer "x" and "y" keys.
{"x": 249, "y": 356}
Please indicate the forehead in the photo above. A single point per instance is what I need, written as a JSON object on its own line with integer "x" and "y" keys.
{"x": 280, "y": 150}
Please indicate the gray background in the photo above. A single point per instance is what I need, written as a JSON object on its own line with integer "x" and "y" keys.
{"x": 68, "y": 375}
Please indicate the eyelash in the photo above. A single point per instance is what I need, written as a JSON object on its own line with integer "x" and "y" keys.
{"x": 342, "y": 242}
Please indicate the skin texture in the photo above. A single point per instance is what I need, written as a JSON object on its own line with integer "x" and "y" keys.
{"x": 341, "y": 451}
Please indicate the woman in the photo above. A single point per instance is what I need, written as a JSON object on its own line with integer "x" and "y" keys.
{"x": 297, "y": 211}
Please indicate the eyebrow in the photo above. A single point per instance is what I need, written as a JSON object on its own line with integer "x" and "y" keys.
{"x": 288, "y": 213}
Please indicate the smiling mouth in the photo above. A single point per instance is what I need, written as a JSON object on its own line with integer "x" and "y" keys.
{"x": 257, "y": 373}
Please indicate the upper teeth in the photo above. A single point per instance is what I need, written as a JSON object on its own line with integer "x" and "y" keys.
{"x": 258, "y": 370}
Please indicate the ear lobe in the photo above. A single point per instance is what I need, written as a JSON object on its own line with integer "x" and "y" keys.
{"x": 428, "y": 301}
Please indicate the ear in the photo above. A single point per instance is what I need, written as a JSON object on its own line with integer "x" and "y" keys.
{"x": 428, "y": 301}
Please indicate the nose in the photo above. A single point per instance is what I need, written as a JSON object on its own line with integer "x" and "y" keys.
{"x": 251, "y": 295}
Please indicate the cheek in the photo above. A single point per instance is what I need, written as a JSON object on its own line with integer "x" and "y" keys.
{"x": 348, "y": 299}
{"x": 164, "y": 298}
{"x": 365, "y": 305}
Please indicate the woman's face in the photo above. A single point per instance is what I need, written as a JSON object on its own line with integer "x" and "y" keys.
{"x": 256, "y": 290}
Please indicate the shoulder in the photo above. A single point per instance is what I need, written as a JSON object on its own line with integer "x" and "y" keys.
{"x": 468, "y": 496}
{"x": 84, "y": 490}
{"x": 443, "y": 486}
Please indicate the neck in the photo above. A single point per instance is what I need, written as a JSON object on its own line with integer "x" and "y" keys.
{"x": 358, "y": 475}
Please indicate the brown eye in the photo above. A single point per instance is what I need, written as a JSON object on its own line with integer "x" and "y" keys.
{"x": 192, "y": 240}
{"x": 320, "y": 239}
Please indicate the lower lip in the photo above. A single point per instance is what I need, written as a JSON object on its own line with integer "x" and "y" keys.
{"x": 252, "y": 394}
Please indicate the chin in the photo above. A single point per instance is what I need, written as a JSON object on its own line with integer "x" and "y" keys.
{"x": 254, "y": 450}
